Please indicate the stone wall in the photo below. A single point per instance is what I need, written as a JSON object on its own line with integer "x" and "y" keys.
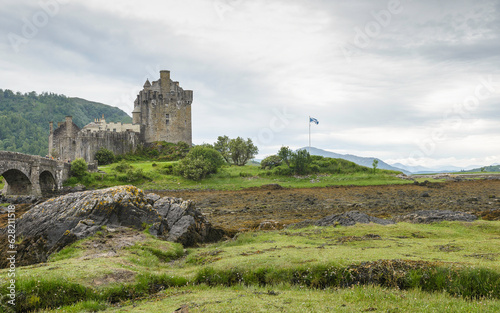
{"x": 62, "y": 142}
{"x": 89, "y": 142}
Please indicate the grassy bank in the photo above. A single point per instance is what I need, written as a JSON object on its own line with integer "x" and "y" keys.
{"x": 443, "y": 267}
{"x": 158, "y": 176}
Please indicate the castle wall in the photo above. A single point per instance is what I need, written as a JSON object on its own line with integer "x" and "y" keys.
{"x": 89, "y": 142}
{"x": 117, "y": 127}
{"x": 63, "y": 143}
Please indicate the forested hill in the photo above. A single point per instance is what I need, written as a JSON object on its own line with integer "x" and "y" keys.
{"x": 24, "y": 118}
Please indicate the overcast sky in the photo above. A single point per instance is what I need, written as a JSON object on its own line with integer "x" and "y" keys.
{"x": 416, "y": 82}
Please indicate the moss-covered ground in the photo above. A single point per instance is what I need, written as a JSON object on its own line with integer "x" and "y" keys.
{"x": 443, "y": 267}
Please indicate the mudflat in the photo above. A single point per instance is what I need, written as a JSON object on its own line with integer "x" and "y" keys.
{"x": 246, "y": 209}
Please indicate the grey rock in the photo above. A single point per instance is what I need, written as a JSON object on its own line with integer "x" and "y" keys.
{"x": 344, "y": 219}
{"x": 61, "y": 221}
{"x": 351, "y": 218}
{"x": 151, "y": 198}
{"x": 433, "y": 216}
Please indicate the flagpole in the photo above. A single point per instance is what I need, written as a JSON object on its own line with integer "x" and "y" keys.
{"x": 309, "y": 135}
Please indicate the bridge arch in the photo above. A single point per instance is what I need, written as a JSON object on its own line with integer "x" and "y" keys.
{"x": 17, "y": 182}
{"x": 48, "y": 183}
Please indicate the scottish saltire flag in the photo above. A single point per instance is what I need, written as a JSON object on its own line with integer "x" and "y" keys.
{"x": 313, "y": 120}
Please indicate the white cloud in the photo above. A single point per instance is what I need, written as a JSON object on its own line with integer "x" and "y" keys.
{"x": 247, "y": 59}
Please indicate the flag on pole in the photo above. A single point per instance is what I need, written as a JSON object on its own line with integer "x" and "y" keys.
{"x": 313, "y": 120}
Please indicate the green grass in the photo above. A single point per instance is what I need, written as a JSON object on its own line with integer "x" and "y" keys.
{"x": 296, "y": 299}
{"x": 424, "y": 268}
{"x": 231, "y": 178}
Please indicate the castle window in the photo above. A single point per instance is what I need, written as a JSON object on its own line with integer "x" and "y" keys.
{"x": 167, "y": 118}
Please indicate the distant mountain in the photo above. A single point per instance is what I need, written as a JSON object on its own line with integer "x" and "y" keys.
{"x": 24, "y": 118}
{"x": 429, "y": 170}
{"x": 363, "y": 161}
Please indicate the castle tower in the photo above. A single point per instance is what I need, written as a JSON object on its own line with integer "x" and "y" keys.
{"x": 163, "y": 109}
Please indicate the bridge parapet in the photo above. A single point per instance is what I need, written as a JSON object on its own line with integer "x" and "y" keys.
{"x": 31, "y": 174}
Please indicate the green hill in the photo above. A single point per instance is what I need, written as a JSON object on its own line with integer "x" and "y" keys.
{"x": 491, "y": 168}
{"x": 24, "y": 118}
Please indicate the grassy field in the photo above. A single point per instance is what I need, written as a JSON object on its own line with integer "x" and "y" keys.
{"x": 153, "y": 176}
{"x": 445, "y": 267}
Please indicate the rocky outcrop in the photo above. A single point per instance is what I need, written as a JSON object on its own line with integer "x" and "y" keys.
{"x": 434, "y": 216}
{"x": 52, "y": 225}
{"x": 345, "y": 219}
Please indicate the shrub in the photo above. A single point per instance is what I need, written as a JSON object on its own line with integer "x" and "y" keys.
{"x": 194, "y": 169}
{"x": 199, "y": 162}
{"x": 123, "y": 166}
{"x": 79, "y": 168}
{"x": 167, "y": 169}
{"x": 133, "y": 175}
{"x": 104, "y": 156}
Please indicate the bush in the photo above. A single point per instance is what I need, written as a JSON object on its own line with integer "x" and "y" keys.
{"x": 199, "y": 162}
{"x": 194, "y": 169}
{"x": 79, "y": 168}
{"x": 133, "y": 175}
{"x": 123, "y": 166}
{"x": 167, "y": 169}
{"x": 104, "y": 156}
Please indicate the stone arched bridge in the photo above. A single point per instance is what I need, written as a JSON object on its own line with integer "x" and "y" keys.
{"x": 30, "y": 174}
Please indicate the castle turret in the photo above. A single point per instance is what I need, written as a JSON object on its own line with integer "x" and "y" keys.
{"x": 136, "y": 115}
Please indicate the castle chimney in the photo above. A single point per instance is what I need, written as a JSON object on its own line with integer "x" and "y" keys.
{"x": 165, "y": 83}
{"x": 51, "y": 138}
{"x": 69, "y": 126}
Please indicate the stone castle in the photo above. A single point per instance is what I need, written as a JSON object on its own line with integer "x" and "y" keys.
{"x": 162, "y": 112}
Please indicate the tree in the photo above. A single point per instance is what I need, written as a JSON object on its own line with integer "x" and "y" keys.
{"x": 104, "y": 156}
{"x": 375, "y": 164}
{"x": 242, "y": 151}
{"x": 285, "y": 154}
{"x": 300, "y": 161}
{"x": 222, "y": 145}
{"x": 78, "y": 168}
{"x": 270, "y": 162}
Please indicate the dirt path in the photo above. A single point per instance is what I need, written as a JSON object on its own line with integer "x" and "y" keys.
{"x": 246, "y": 209}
